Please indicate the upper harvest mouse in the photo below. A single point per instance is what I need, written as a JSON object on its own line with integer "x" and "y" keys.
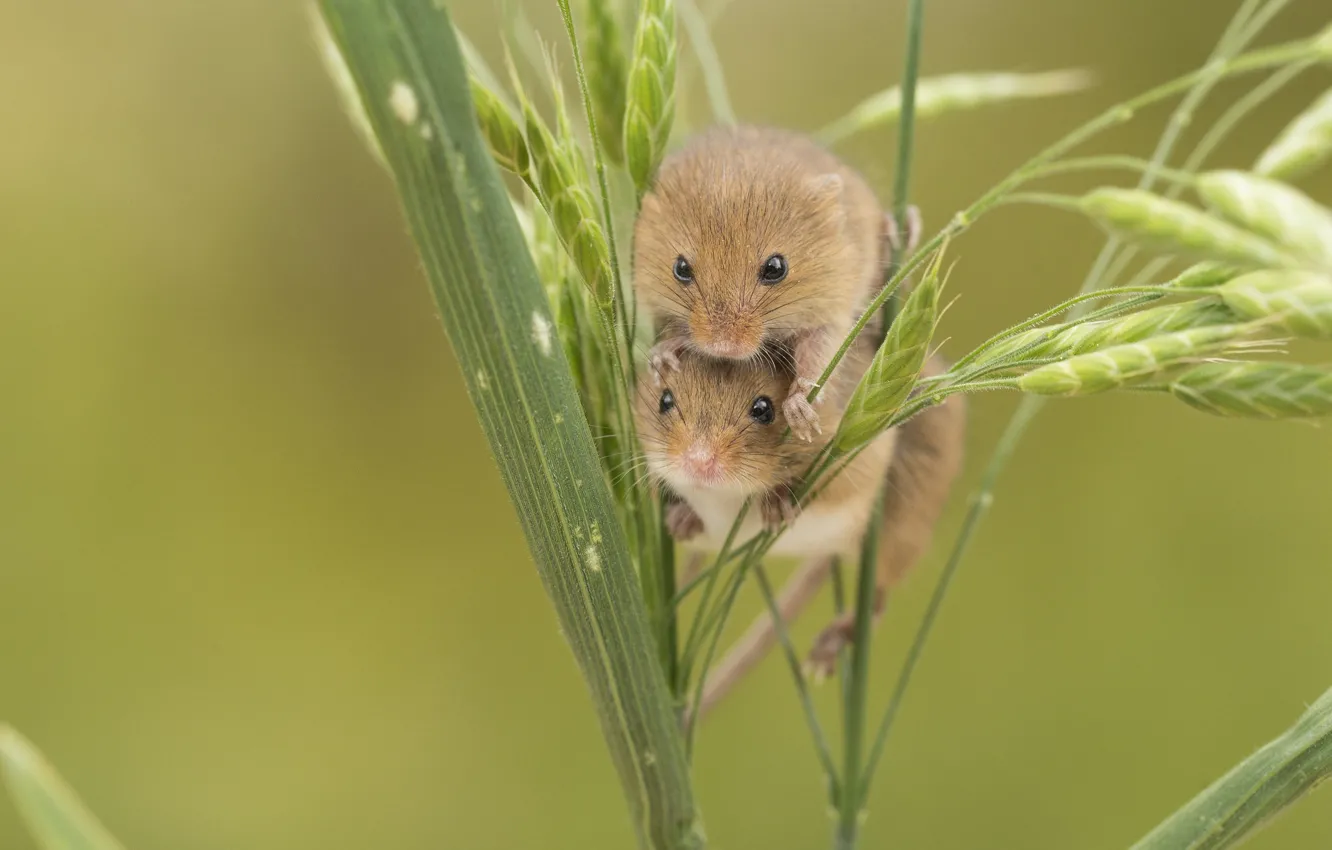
{"x": 753, "y": 236}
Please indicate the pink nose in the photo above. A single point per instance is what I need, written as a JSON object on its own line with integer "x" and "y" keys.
{"x": 700, "y": 462}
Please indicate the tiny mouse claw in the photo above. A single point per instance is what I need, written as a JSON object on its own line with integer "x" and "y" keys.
{"x": 838, "y": 635}
{"x": 915, "y": 226}
{"x": 665, "y": 357}
{"x": 779, "y": 507}
{"x": 799, "y": 413}
{"x": 682, "y": 522}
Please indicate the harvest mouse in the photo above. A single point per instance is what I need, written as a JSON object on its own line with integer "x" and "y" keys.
{"x": 713, "y": 434}
{"x": 755, "y": 236}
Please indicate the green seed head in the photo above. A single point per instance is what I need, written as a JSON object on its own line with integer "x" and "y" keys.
{"x": 1067, "y": 340}
{"x": 954, "y": 93}
{"x": 896, "y": 366}
{"x": 560, "y": 180}
{"x": 1179, "y": 228}
{"x": 1124, "y": 365}
{"x": 1298, "y": 302}
{"x": 1323, "y": 43}
{"x": 1303, "y": 146}
{"x": 1257, "y": 390}
{"x": 607, "y": 74}
{"x": 501, "y": 131}
{"x": 650, "y": 106}
{"x": 1204, "y": 276}
{"x": 1282, "y": 214}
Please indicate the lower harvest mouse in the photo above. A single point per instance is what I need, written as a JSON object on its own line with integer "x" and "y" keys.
{"x": 713, "y": 434}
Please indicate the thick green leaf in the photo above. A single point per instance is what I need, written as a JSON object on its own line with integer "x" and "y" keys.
{"x": 53, "y": 812}
{"x": 1255, "y": 791}
{"x": 406, "y": 63}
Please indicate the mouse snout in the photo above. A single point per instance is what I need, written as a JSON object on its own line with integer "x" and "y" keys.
{"x": 727, "y": 333}
{"x": 729, "y": 348}
{"x": 701, "y": 463}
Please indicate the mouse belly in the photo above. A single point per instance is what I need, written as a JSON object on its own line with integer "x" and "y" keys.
{"x": 815, "y": 532}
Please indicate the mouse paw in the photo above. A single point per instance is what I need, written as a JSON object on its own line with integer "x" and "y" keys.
{"x": 682, "y": 522}
{"x": 663, "y": 359}
{"x": 915, "y": 226}
{"x": 799, "y": 413}
{"x": 838, "y": 635}
{"x": 779, "y": 508}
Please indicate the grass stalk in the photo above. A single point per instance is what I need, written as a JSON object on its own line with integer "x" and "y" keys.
{"x": 852, "y": 800}
{"x": 906, "y": 135}
{"x": 802, "y": 686}
{"x": 407, "y": 66}
{"x": 709, "y": 62}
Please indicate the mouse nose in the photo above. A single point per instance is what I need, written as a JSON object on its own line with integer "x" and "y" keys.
{"x": 728, "y": 348}
{"x": 700, "y": 462}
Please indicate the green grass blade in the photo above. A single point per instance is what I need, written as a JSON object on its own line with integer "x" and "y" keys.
{"x": 1255, "y": 791}
{"x": 52, "y": 811}
{"x": 407, "y": 66}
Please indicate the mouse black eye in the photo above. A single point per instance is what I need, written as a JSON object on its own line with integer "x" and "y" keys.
{"x": 667, "y": 403}
{"x": 773, "y": 270}
{"x": 762, "y": 411}
{"x": 683, "y": 271}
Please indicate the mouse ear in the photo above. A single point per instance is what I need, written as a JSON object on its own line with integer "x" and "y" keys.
{"x": 829, "y": 186}
{"x": 650, "y": 205}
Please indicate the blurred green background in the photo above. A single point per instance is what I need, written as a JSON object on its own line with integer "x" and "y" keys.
{"x": 260, "y": 586}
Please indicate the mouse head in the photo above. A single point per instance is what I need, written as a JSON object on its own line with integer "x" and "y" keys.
{"x": 718, "y": 424}
{"x": 743, "y": 240}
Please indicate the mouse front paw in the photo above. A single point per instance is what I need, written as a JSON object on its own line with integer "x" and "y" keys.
{"x": 664, "y": 358}
{"x": 682, "y": 523}
{"x": 779, "y": 508}
{"x": 799, "y": 413}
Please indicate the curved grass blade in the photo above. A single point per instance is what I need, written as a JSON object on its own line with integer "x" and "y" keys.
{"x": 53, "y": 813}
{"x": 407, "y": 65}
{"x": 1258, "y": 789}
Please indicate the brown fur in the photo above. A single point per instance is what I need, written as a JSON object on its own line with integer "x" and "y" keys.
{"x": 729, "y": 200}
{"x": 712, "y": 402}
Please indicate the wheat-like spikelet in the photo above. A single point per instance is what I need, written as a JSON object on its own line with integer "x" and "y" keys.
{"x": 1179, "y": 228}
{"x": 1203, "y": 276}
{"x": 607, "y": 74}
{"x": 1299, "y": 302}
{"x": 650, "y": 104}
{"x": 1279, "y": 212}
{"x": 1069, "y": 340}
{"x": 560, "y": 180}
{"x": 953, "y": 93}
{"x": 504, "y": 137}
{"x": 1303, "y": 146}
{"x": 1323, "y": 43}
{"x": 1256, "y": 390}
{"x": 896, "y": 366}
{"x": 1124, "y": 365}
